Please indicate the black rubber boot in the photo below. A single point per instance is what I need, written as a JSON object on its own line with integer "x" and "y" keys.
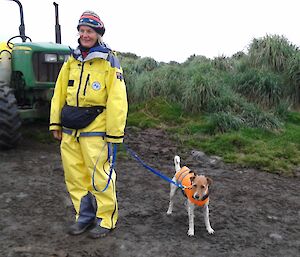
{"x": 78, "y": 228}
{"x": 97, "y": 232}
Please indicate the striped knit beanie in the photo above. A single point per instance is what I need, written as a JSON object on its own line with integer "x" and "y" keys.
{"x": 91, "y": 19}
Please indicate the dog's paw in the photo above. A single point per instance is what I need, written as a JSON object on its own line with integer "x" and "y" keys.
{"x": 190, "y": 232}
{"x": 210, "y": 231}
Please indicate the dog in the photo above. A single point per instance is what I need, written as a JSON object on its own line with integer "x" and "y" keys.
{"x": 196, "y": 191}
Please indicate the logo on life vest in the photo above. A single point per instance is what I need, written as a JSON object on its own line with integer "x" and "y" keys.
{"x": 119, "y": 76}
{"x": 96, "y": 85}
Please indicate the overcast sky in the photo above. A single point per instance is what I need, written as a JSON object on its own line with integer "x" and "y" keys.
{"x": 166, "y": 30}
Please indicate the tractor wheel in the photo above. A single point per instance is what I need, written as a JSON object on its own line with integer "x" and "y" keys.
{"x": 10, "y": 121}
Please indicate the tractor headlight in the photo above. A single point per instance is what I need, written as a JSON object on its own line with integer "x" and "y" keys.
{"x": 50, "y": 58}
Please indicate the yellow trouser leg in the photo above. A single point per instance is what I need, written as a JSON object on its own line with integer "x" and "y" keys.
{"x": 94, "y": 149}
{"x": 79, "y": 159}
{"x": 77, "y": 176}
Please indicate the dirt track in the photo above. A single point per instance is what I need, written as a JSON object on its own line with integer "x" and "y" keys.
{"x": 254, "y": 214}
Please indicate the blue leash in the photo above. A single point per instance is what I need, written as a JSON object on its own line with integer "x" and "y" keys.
{"x": 111, "y": 166}
{"x": 137, "y": 158}
{"x": 156, "y": 172}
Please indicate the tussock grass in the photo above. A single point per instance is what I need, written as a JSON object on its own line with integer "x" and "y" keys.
{"x": 235, "y": 97}
{"x": 240, "y": 104}
{"x": 262, "y": 87}
{"x": 273, "y": 151}
{"x": 271, "y": 51}
{"x": 198, "y": 93}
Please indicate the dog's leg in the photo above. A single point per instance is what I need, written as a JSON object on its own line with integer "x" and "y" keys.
{"x": 190, "y": 208}
{"x": 206, "y": 219}
{"x": 173, "y": 190}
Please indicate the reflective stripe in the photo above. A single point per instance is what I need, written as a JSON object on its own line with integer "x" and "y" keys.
{"x": 92, "y": 134}
{"x": 85, "y": 134}
{"x": 67, "y": 131}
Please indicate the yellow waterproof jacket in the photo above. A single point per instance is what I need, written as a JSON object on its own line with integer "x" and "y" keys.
{"x": 93, "y": 81}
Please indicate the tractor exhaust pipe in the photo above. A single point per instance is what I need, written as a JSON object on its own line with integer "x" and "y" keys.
{"x": 57, "y": 26}
{"x": 22, "y": 25}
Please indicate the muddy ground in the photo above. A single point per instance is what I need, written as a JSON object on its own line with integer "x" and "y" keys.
{"x": 254, "y": 214}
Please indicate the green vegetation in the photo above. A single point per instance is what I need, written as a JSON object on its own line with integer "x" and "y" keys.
{"x": 242, "y": 108}
{"x": 272, "y": 151}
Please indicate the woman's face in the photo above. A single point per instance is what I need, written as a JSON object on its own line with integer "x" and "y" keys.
{"x": 88, "y": 36}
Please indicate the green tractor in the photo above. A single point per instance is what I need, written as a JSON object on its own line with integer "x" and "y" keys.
{"x": 28, "y": 72}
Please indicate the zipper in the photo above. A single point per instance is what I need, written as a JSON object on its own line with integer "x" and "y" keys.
{"x": 86, "y": 82}
{"x": 77, "y": 96}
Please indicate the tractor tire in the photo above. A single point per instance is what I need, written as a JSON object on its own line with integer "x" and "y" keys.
{"x": 10, "y": 121}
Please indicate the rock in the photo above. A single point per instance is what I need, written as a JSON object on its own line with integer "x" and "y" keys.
{"x": 198, "y": 154}
{"x": 8, "y": 200}
{"x": 272, "y": 217}
{"x": 21, "y": 195}
{"x": 297, "y": 171}
{"x": 202, "y": 157}
{"x": 275, "y": 236}
{"x": 214, "y": 160}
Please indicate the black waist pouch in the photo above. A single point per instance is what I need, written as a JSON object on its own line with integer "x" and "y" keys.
{"x": 79, "y": 117}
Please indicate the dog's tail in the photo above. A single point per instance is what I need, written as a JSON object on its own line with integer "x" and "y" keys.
{"x": 177, "y": 163}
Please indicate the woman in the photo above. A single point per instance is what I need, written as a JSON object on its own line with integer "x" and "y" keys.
{"x": 88, "y": 114}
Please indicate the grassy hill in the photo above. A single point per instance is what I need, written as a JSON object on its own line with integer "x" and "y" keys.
{"x": 242, "y": 108}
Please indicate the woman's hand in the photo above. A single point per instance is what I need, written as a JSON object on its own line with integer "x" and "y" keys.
{"x": 57, "y": 134}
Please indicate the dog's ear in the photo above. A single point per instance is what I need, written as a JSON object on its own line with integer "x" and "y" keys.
{"x": 209, "y": 180}
{"x": 192, "y": 178}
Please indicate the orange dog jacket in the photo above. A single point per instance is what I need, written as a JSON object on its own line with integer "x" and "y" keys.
{"x": 184, "y": 178}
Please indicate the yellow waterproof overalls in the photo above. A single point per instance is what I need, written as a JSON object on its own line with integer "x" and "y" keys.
{"x": 96, "y": 80}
